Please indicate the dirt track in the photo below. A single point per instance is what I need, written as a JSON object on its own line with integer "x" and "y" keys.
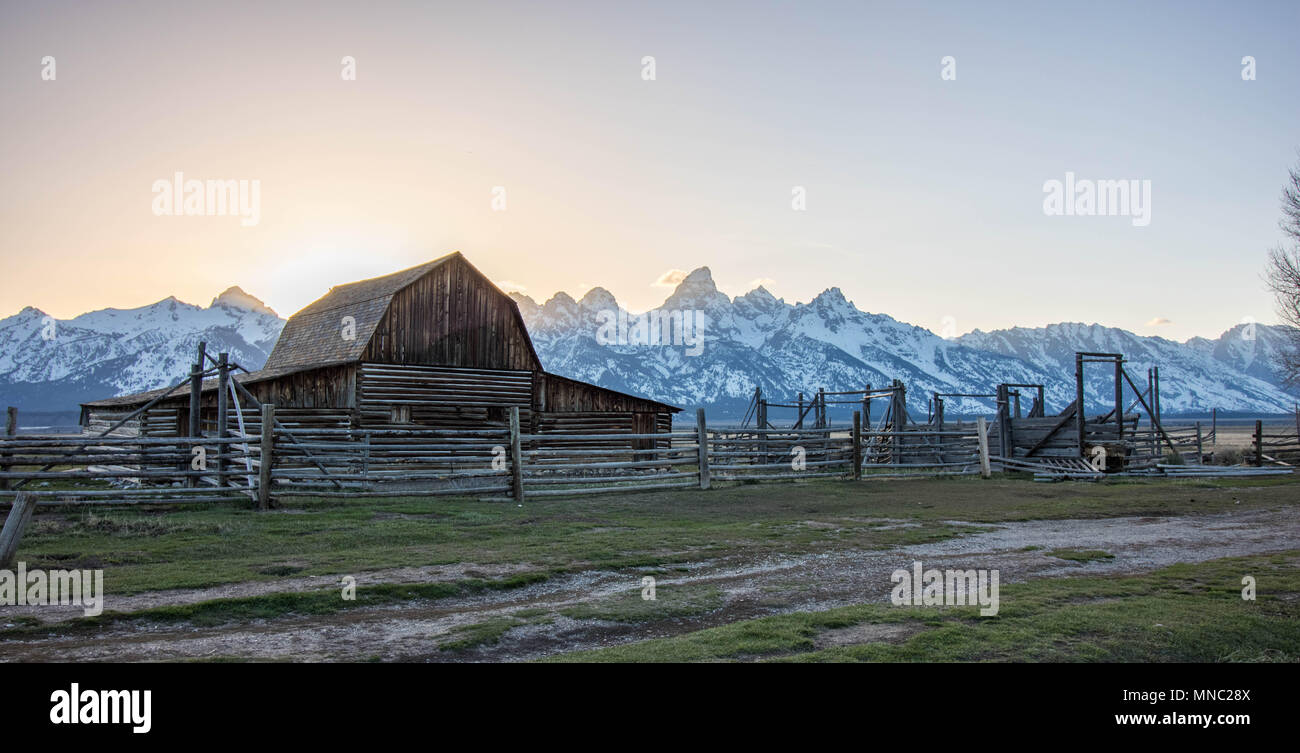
{"x": 750, "y": 589}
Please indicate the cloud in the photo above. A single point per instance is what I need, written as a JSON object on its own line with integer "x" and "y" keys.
{"x": 508, "y": 286}
{"x": 766, "y": 282}
{"x": 1159, "y": 321}
{"x": 669, "y": 279}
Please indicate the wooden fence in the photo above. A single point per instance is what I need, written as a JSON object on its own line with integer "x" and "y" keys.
{"x": 327, "y": 460}
{"x": 1277, "y": 447}
{"x": 127, "y": 469}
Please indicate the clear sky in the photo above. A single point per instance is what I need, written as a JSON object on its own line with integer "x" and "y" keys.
{"x": 924, "y": 196}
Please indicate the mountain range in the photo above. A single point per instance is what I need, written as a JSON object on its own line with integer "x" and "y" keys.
{"x": 751, "y": 340}
{"x": 53, "y": 365}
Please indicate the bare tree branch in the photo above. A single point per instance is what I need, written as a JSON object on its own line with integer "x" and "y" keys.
{"x": 1282, "y": 276}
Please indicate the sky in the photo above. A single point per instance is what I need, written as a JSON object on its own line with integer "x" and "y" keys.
{"x": 923, "y": 192}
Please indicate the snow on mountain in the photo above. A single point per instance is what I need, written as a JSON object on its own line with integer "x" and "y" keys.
{"x": 49, "y": 364}
{"x": 1194, "y": 376}
{"x": 755, "y": 339}
{"x": 759, "y": 340}
{"x": 1251, "y": 349}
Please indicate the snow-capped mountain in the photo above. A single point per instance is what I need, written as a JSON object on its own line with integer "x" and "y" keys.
{"x": 1231, "y": 373}
{"x": 49, "y": 364}
{"x": 751, "y": 340}
{"x": 759, "y": 340}
{"x": 1251, "y": 349}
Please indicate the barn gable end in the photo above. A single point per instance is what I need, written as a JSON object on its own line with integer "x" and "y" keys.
{"x": 436, "y": 345}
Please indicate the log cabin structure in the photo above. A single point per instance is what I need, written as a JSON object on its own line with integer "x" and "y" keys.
{"x": 434, "y": 346}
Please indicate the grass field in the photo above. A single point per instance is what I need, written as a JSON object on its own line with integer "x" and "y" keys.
{"x": 785, "y": 571}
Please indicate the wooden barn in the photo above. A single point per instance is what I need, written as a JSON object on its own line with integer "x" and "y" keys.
{"x": 433, "y": 346}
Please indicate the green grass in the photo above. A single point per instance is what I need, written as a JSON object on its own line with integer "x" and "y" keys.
{"x": 480, "y": 634}
{"x": 214, "y": 544}
{"x": 1182, "y": 613}
{"x": 275, "y": 605}
{"x": 488, "y": 632}
{"x": 670, "y": 602}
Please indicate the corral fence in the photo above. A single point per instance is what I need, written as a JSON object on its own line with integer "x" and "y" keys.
{"x": 1275, "y": 447}
{"x": 290, "y": 459}
{"x": 1194, "y": 443}
{"x": 327, "y": 460}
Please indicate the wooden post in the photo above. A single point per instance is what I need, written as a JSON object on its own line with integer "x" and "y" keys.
{"x": 1259, "y": 443}
{"x": 11, "y": 429}
{"x": 702, "y": 431}
{"x": 1155, "y": 425}
{"x": 981, "y": 428}
{"x": 798, "y": 422}
{"x": 899, "y": 417}
{"x": 196, "y": 388}
{"x": 1214, "y": 428}
{"x": 857, "y": 445}
{"x": 1005, "y": 438}
{"x": 1119, "y": 399}
{"x": 19, "y": 515}
{"x": 223, "y": 406}
{"x": 1078, "y": 396}
{"x": 267, "y": 457}
{"x": 516, "y": 457}
{"x": 1160, "y": 412}
{"x": 1200, "y": 445}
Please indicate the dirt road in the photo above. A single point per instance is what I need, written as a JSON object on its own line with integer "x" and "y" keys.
{"x": 745, "y": 589}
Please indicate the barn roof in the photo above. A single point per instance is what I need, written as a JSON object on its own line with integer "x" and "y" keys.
{"x": 314, "y": 335}
{"x": 209, "y": 385}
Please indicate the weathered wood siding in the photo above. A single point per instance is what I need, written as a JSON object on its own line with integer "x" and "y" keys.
{"x": 1027, "y": 432}
{"x": 560, "y": 394}
{"x": 327, "y": 387}
{"x": 452, "y": 316}
{"x": 155, "y": 422}
{"x": 442, "y": 397}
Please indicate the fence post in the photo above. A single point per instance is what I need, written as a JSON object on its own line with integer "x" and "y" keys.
{"x": 11, "y": 429}
{"x": 1259, "y": 443}
{"x": 702, "y": 430}
{"x": 267, "y": 457}
{"x": 223, "y": 406}
{"x": 981, "y": 427}
{"x": 196, "y": 390}
{"x": 516, "y": 457}
{"x": 1200, "y": 445}
{"x": 857, "y": 445}
{"x": 19, "y": 515}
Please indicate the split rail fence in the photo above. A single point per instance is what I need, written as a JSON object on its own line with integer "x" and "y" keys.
{"x": 1276, "y": 447}
{"x": 290, "y": 459}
